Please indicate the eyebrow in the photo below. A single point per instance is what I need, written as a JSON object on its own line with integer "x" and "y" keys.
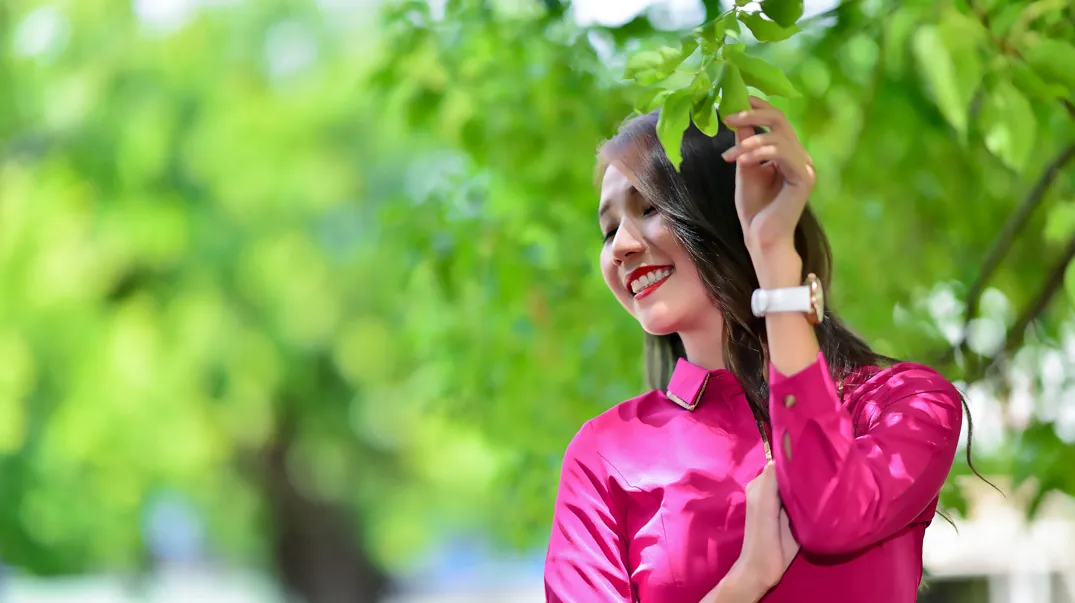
{"x": 607, "y": 205}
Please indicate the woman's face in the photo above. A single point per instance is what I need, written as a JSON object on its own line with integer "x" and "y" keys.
{"x": 645, "y": 266}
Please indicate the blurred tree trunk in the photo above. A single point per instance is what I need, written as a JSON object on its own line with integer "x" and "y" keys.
{"x": 316, "y": 548}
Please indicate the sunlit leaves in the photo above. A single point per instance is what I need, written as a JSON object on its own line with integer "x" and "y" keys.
{"x": 651, "y": 66}
{"x": 725, "y": 65}
{"x": 672, "y": 122}
{"x": 1060, "y": 224}
{"x": 1052, "y": 59}
{"x": 784, "y": 12}
{"x": 713, "y": 34}
{"x": 1008, "y": 124}
{"x": 765, "y": 30}
{"x": 733, "y": 92}
{"x": 947, "y": 83}
{"x": 704, "y": 114}
{"x": 761, "y": 75}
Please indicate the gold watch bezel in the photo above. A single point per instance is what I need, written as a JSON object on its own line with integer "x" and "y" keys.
{"x": 816, "y": 314}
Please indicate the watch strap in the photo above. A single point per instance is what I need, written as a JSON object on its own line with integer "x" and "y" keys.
{"x": 786, "y": 299}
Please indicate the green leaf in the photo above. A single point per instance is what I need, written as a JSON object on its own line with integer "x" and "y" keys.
{"x": 1008, "y": 125}
{"x": 650, "y": 98}
{"x": 733, "y": 92}
{"x": 765, "y": 30}
{"x": 731, "y": 25}
{"x": 688, "y": 44}
{"x": 647, "y": 60}
{"x": 759, "y": 74}
{"x": 704, "y": 114}
{"x": 784, "y": 12}
{"x": 730, "y": 49}
{"x": 1027, "y": 80}
{"x": 714, "y": 34}
{"x": 649, "y": 77}
{"x": 742, "y": 3}
{"x": 700, "y": 86}
{"x": 1060, "y": 223}
{"x": 1053, "y": 60}
{"x": 939, "y": 71}
{"x": 651, "y": 66}
{"x": 673, "y": 120}
{"x": 1001, "y": 23}
{"x": 899, "y": 28}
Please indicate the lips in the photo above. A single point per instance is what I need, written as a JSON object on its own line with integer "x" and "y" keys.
{"x": 642, "y": 281}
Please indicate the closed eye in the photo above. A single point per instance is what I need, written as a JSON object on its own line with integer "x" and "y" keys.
{"x": 609, "y": 235}
{"x": 649, "y": 210}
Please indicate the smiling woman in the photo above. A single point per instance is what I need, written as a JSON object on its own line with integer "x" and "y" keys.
{"x": 777, "y": 457}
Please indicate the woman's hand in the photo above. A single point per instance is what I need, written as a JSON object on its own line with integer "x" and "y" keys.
{"x": 774, "y": 178}
{"x": 768, "y": 546}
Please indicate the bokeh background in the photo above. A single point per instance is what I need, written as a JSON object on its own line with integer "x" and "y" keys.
{"x": 299, "y": 298}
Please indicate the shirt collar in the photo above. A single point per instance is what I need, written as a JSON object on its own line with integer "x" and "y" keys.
{"x": 690, "y": 384}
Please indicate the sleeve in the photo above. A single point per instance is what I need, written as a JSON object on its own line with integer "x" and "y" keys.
{"x": 843, "y": 493}
{"x": 587, "y": 554}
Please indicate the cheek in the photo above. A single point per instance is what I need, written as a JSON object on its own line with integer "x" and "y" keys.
{"x": 611, "y": 274}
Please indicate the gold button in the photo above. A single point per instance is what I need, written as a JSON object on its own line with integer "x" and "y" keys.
{"x": 787, "y": 445}
{"x": 789, "y": 401}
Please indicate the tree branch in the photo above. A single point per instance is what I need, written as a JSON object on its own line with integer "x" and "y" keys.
{"x": 1004, "y": 241}
{"x": 1017, "y": 332}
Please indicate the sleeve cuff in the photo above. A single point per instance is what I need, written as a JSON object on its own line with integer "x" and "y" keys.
{"x": 809, "y": 392}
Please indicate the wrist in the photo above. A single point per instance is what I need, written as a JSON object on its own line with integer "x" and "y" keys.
{"x": 777, "y": 266}
{"x": 744, "y": 585}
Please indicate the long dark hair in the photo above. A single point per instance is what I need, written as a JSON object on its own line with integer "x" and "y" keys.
{"x": 698, "y": 204}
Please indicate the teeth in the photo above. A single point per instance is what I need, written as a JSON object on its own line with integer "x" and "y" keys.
{"x": 648, "y": 279}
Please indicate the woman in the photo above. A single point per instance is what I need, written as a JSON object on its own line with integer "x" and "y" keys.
{"x": 771, "y": 426}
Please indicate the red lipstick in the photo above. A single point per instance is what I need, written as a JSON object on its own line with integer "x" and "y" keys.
{"x": 651, "y": 277}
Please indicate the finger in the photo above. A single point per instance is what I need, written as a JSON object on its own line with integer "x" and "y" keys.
{"x": 758, "y": 156}
{"x": 743, "y": 134}
{"x": 759, "y": 103}
{"x": 749, "y": 144}
{"x": 767, "y": 118}
{"x": 768, "y": 481}
{"x": 794, "y": 170}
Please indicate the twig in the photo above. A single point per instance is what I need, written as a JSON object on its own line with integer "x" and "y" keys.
{"x": 1004, "y": 241}
{"x": 1017, "y": 332}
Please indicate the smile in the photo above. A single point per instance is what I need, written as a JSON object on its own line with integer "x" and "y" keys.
{"x": 646, "y": 280}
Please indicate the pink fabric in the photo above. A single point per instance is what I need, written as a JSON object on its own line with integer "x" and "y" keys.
{"x": 651, "y": 505}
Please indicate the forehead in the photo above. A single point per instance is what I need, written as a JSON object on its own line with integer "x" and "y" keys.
{"x": 615, "y": 188}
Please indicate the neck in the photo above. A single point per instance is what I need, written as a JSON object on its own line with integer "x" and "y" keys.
{"x": 704, "y": 348}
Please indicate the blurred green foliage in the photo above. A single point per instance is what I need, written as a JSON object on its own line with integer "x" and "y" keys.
{"x": 271, "y": 224}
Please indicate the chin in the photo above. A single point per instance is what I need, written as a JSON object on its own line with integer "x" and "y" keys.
{"x": 659, "y": 322}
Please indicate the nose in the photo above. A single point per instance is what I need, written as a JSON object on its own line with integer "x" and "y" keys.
{"x": 626, "y": 243}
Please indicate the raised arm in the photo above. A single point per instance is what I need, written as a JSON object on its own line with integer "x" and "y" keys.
{"x": 587, "y": 556}
{"x": 842, "y": 492}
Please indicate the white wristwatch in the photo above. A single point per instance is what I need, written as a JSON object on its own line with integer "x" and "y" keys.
{"x": 808, "y": 299}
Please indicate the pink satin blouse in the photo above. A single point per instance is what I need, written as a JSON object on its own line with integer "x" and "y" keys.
{"x": 651, "y": 504}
